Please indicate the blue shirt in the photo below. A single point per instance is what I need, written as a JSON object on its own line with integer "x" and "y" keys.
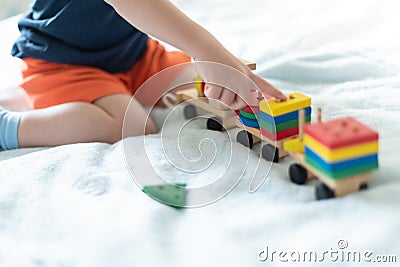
{"x": 79, "y": 32}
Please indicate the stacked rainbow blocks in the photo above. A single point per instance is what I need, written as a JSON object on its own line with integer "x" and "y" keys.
{"x": 341, "y": 148}
{"x": 248, "y": 116}
{"x": 280, "y": 120}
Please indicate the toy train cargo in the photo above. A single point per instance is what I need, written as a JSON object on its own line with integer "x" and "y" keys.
{"x": 272, "y": 121}
{"x": 341, "y": 153}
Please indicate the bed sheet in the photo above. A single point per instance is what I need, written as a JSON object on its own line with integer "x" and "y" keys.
{"x": 77, "y": 205}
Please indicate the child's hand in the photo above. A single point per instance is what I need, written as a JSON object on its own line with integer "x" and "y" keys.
{"x": 161, "y": 19}
{"x": 232, "y": 81}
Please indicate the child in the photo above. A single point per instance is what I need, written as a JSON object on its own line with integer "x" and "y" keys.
{"x": 83, "y": 60}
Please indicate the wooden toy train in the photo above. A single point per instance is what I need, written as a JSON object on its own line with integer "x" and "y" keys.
{"x": 341, "y": 153}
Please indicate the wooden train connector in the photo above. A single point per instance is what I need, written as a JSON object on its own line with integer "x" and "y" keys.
{"x": 271, "y": 121}
{"x": 341, "y": 153}
{"x": 198, "y": 104}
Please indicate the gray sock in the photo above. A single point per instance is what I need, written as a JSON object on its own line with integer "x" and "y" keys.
{"x": 9, "y": 122}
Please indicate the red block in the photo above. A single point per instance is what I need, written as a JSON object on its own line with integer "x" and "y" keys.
{"x": 203, "y": 86}
{"x": 281, "y": 134}
{"x": 250, "y": 109}
{"x": 341, "y": 132}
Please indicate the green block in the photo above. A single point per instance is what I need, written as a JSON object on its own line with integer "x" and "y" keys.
{"x": 282, "y": 126}
{"x": 248, "y": 115}
{"x": 170, "y": 194}
{"x": 345, "y": 173}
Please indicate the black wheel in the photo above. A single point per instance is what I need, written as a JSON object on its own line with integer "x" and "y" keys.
{"x": 214, "y": 124}
{"x": 270, "y": 153}
{"x": 190, "y": 112}
{"x": 323, "y": 192}
{"x": 245, "y": 138}
{"x": 297, "y": 174}
{"x": 363, "y": 186}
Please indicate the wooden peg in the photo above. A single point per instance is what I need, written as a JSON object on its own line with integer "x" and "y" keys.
{"x": 319, "y": 114}
{"x": 260, "y": 95}
{"x": 253, "y": 101}
{"x": 301, "y": 123}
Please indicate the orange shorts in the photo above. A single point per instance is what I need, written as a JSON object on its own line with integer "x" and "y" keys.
{"x": 48, "y": 84}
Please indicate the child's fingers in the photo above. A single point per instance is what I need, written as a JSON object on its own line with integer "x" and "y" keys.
{"x": 268, "y": 89}
{"x": 241, "y": 80}
{"x": 238, "y": 103}
{"x": 222, "y": 96}
{"x": 227, "y": 97}
{"x": 212, "y": 91}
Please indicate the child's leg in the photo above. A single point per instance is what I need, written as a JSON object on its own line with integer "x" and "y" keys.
{"x": 72, "y": 104}
{"x": 79, "y": 122}
{"x": 60, "y": 119}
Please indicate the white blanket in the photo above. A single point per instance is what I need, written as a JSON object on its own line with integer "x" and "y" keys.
{"x": 78, "y": 205}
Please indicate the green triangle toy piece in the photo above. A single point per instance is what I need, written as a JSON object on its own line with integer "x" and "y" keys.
{"x": 170, "y": 194}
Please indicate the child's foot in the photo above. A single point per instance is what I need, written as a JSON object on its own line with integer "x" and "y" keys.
{"x": 9, "y": 122}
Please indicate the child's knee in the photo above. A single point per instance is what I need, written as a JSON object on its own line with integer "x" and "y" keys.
{"x": 126, "y": 116}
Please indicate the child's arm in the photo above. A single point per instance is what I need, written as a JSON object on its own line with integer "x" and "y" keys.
{"x": 161, "y": 19}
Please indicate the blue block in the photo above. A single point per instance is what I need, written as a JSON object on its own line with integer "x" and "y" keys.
{"x": 340, "y": 165}
{"x": 283, "y": 118}
{"x": 248, "y": 122}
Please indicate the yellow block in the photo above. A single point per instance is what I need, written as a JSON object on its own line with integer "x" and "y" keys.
{"x": 197, "y": 83}
{"x": 340, "y": 154}
{"x": 294, "y": 145}
{"x": 294, "y": 102}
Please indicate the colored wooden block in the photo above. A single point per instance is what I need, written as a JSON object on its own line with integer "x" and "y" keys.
{"x": 248, "y": 115}
{"x": 294, "y": 102}
{"x": 170, "y": 194}
{"x": 345, "y": 173}
{"x": 294, "y": 145}
{"x": 199, "y": 84}
{"x": 282, "y": 126}
{"x": 340, "y": 165}
{"x": 279, "y": 135}
{"x": 251, "y": 109}
{"x": 283, "y": 118}
{"x": 341, "y": 132}
{"x": 339, "y": 154}
{"x": 248, "y": 122}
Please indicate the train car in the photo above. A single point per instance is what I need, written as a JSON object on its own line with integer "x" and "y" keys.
{"x": 272, "y": 121}
{"x": 341, "y": 153}
{"x": 198, "y": 104}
